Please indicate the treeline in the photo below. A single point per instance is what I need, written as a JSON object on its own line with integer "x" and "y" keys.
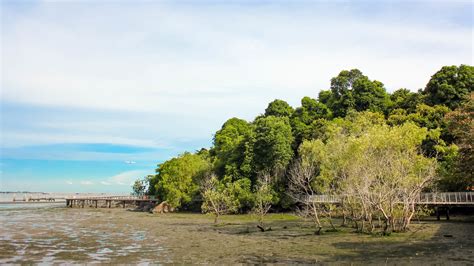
{"x": 355, "y": 139}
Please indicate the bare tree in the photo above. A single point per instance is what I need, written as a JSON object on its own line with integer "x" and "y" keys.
{"x": 264, "y": 197}
{"x": 301, "y": 177}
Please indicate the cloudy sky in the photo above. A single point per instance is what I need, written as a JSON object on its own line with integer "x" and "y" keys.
{"x": 95, "y": 93}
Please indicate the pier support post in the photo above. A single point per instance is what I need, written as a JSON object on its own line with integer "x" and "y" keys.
{"x": 437, "y": 213}
{"x": 447, "y": 213}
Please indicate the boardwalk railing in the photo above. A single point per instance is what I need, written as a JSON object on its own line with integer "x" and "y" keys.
{"x": 444, "y": 198}
{"x": 112, "y": 197}
{"x": 447, "y": 198}
{"x": 108, "y": 201}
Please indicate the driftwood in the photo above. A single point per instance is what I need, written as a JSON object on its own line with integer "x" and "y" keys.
{"x": 263, "y": 229}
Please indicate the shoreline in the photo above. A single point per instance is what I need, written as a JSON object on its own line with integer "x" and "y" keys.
{"x": 65, "y": 235}
{"x": 30, "y": 202}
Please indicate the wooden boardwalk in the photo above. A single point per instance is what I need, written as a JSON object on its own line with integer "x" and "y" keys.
{"x": 109, "y": 201}
{"x": 436, "y": 199}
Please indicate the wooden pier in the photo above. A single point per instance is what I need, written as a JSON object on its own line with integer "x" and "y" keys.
{"x": 109, "y": 202}
{"x": 435, "y": 199}
{"x": 443, "y": 201}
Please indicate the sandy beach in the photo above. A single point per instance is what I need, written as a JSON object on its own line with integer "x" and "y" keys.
{"x": 63, "y": 235}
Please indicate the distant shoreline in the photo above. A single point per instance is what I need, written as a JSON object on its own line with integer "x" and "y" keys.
{"x": 31, "y": 202}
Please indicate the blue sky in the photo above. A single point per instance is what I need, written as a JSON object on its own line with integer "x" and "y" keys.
{"x": 89, "y": 85}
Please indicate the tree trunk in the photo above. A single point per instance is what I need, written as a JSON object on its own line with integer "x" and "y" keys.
{"x": 344, "y": 218}
{"x": 319, "y": 231}
{"x": 387, "y": 226}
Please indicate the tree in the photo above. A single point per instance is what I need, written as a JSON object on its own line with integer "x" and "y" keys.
{"x": 325, "y": 97}
{"x": 241, "y": 191}
{"x": 430, "y": 117}
{"x": 406, "y": 100}
{"x": 139, "y": 186}
{"x": 370, "y": 95}
{"x": 177, "y": 180}
{"x": 460, "y": 124}
{"x": 302, "y": 120}
{"x": 450, "y": 86}
{"x": 217, "y": 198}
{"x": 301, "y": 187}
{"x": 229, "y": 148}
{"x": 272, "y": 146}
{"x": 279, "y": 108}
{"x": 342, "y": 98}
{"x": 265, "y": 196}
{"x": 381, "y": 172}
{"x": 375, "y": 170}
{"x": 352, "y": 90}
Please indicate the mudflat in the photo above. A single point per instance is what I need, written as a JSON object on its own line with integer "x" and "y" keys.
{"x": 62, "y": 235}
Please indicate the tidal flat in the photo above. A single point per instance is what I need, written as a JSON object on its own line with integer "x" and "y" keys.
{"x": 63, "y": 235}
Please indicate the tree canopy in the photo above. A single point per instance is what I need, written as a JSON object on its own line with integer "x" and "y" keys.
{"x": 177, "y": 180}
{"x": 354, "y": 136}
{"x": 272, "y": 146}
{"x": 450, "y": 86}
{"x": 279, "y": 108}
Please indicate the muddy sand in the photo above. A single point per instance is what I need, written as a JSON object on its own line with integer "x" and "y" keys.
{"x": 62, "y": 235}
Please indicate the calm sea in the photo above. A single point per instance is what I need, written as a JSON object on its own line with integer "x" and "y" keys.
{"x": 21, "y": 200}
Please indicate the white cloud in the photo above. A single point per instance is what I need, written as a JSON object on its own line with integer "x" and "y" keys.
{"x": 69, "y": 182}
{"x": 179, "y": 71}
{"x": 86, "y": 183}
{"x": 127, "y": 178}
{"x": 164, "y": 58}
{"x": 57, "y": 138}
{"x": 105, "y": 183}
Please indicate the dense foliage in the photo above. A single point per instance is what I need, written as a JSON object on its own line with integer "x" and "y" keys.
{"x": 356, "y": 137}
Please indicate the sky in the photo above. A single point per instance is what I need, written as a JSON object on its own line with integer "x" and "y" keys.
{"x": 94, "y": 94}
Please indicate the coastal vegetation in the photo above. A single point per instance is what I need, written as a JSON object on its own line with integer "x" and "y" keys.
{"x": 376, "y": 150}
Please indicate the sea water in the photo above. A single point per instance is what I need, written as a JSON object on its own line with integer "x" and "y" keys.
{"x": 51, "y": 233}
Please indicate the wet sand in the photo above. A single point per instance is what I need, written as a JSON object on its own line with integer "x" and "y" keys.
{"x": 63, "y": 235}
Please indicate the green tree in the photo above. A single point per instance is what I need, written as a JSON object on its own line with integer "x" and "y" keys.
{"x": 272, "y": 146}
{"x": 450, "y": 86}
{"x": 370, "y": 95}
{"x": 375, "y": 167}
{"x": 139, "y": 186}
{"x": 325, "y": 97}
{"x": 264, "y": 197}
{"x": 218, "y": 197}
{"x": 430, "y": 117}
{"x": 177, "y": 180}
{"x": 352, "y": 90}
{"x": 406, "y": 100}
{"x": 342, "y": 99}
{"x": 230, "y": 148}
{"x": 303, "y": 119}
{"x": 279, "y": 108}
{"x": 461, "y": 126}
{"x": 241, "y": 191}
